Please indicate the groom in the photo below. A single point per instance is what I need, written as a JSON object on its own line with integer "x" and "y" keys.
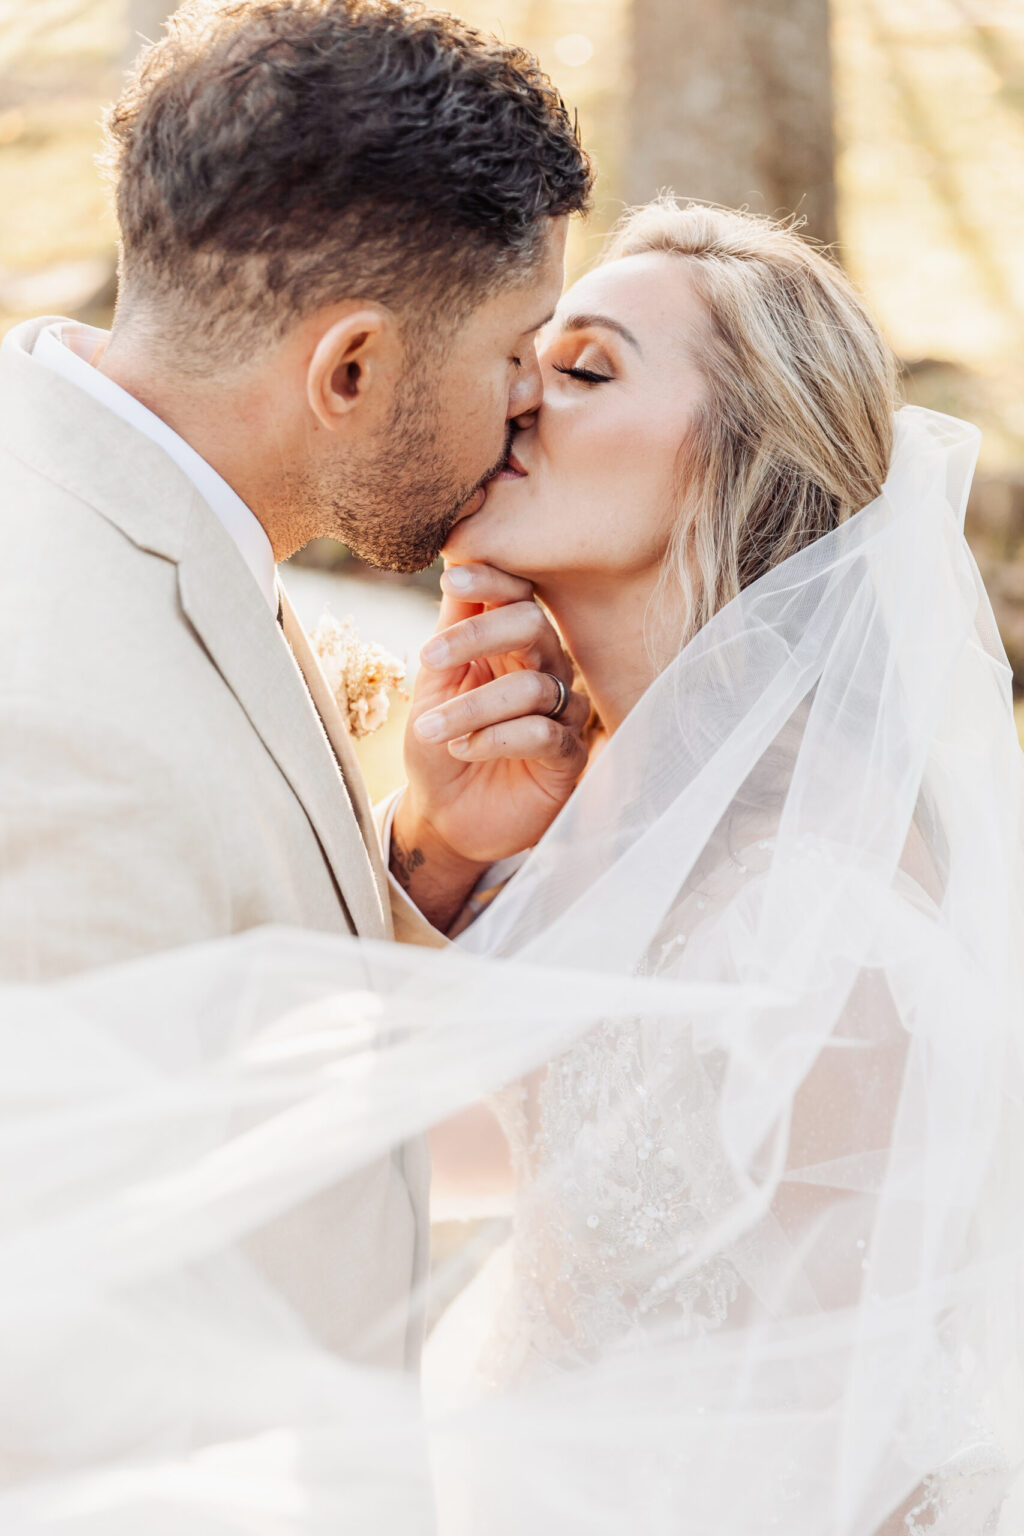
{"x": 341, "y": 227}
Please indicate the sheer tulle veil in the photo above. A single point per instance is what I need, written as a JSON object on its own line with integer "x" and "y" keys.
{"x": 784, "y": 910}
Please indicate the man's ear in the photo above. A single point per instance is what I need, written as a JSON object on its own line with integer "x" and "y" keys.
{"x": 354, "y": 360}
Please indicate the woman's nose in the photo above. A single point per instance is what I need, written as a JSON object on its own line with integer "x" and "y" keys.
{"x": 527, "y": 390}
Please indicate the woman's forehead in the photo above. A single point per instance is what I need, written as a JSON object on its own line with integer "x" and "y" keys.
{"x": 646, "y": 293}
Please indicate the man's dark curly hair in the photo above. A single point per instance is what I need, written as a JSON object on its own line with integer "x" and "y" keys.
{"x": 273, "y": 156}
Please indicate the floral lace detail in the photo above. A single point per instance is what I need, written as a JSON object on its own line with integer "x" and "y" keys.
{"x": 621, "y": 1175}
{"x": 616, "y": 1148}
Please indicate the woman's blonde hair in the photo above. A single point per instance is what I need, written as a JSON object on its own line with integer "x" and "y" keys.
{"x": 795, "y": 428}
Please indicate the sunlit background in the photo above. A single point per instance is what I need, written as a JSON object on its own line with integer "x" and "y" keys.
{"x": 896, "y": 127}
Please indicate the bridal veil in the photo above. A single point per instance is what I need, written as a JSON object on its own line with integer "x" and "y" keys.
{"x": 750, "y": 1017}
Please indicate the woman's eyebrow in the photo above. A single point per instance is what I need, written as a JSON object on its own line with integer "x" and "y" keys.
{"x": 601, "y": 322}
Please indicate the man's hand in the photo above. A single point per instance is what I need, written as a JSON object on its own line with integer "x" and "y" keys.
{"x": 488, "y": 770}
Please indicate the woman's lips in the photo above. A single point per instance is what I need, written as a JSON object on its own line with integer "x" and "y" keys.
{"x": 513, "y": 470}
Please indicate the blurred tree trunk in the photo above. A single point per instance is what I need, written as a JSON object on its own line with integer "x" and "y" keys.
{"x": 732, "y": 102}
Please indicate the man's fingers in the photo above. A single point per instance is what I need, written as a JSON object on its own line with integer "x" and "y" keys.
{"x": 517, "y": 695}
{"x": 519, "y": 629}
{"x": 485, "y": 584}
{"x": 549, "y": 743}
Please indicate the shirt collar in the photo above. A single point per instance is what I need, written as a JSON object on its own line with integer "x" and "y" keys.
{"x": 67, "y": 348}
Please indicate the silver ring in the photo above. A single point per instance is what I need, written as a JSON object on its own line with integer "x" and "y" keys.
{"x": 562, "y": 702}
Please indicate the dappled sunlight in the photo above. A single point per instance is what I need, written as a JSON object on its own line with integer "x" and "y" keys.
{"x": 929, "y": 171}
{"x": 931, "y": 200}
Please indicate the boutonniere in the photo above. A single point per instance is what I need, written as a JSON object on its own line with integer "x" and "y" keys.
{"x": 360, "y": 676}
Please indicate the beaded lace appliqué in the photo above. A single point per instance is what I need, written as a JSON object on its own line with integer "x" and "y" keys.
{"x": 606, "y": 1143}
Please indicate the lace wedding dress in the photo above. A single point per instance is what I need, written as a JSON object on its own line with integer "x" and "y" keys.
{"x": 609, "y": 1145}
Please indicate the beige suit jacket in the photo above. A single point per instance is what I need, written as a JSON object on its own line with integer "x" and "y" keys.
{"x": 173, "y": 769}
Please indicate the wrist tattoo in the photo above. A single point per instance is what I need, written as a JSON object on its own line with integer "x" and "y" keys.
{"x": 405, "y": 862}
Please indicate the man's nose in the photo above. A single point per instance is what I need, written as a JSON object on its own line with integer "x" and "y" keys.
{"x": 528, "y": 389}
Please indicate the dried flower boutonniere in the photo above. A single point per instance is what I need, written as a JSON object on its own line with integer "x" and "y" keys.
{"x": 359, "y": 675}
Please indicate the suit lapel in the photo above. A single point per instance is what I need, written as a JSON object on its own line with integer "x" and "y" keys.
{"x": 77, "y": 443}
{"x": 229, "y": 614}
{"x": 338, "y": 735}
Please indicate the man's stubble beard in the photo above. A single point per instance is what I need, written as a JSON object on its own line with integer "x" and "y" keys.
{"x": 399, "y": 505}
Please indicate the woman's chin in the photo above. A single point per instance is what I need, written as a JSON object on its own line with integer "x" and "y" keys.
{"x": 497, "y": 535}
{"x": 466, "y": 543}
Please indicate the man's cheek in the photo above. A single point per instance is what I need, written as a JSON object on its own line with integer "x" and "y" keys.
{"x": 482, "y": 429}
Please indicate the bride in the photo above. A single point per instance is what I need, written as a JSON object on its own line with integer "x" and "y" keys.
{"x": 733, "y": 1056}
{"x": 808, "y": 777}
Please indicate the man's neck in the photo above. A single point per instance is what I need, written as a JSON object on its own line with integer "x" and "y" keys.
{"x": 228, "y": 425}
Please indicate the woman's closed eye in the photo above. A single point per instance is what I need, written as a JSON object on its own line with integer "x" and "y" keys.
{"x": 585, "y": 375}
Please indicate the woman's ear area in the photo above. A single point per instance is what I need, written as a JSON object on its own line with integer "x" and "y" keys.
{"x": 355, "y": 362}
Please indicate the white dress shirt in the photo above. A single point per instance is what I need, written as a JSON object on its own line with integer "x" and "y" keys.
{"x": 67, "y": 348}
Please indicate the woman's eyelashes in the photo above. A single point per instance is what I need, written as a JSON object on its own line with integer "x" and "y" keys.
{"x": 585, "y": 375}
